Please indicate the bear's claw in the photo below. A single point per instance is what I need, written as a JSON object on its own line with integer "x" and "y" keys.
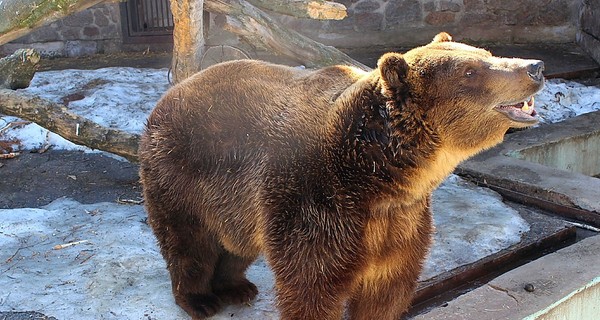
{"x": 201, "y": 306}
{"x": 237, "y": 293}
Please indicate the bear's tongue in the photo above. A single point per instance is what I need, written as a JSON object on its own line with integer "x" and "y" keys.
{"x": 521, "y": 112}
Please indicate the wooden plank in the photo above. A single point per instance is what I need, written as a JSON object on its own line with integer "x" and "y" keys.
{"x": 545, "y": 234}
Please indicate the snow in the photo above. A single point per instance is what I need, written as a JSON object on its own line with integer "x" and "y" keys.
{"x": 471, "y": 223}
{"x": 122, "y": 98}
{"x": 118, "y": 272}
{"x": 562, "y": 99}
{"x": 116, "y": 97}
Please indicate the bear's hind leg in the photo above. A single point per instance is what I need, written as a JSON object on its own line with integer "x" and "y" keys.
{"x": 191, "y": 255}
{"x": 229, "y": 282}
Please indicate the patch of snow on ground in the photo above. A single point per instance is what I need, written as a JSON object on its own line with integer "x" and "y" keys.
{"x": 471, "y": 223}
{"x": 562, "y": 99}
{"x": 116, "y": 97}
{"x": 33, "y": 137}
{"x": 118, "y": 272}
{"x": 122, "y": 98}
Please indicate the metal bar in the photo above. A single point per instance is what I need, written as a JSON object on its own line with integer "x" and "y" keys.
{"x": 161, "y": 20}
{"x": 149, "y": 17}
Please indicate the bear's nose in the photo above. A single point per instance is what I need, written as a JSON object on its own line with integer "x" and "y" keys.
{"x": 535, "y": 70}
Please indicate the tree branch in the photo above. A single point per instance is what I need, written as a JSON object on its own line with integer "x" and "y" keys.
{"x": 17, "y": 70}
{"x": 58, "y": 119}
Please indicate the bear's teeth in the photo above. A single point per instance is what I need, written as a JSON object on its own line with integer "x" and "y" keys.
{"x": 528, "y": 105}
{"x": 525, "y": 106}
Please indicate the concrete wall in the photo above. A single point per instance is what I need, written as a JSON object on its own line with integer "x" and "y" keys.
{"x": 589, "y": 35}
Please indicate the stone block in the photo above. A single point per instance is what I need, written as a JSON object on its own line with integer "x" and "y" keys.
{"x": 110, "y": 46}
{"x": 438, "y": 18}
{"x": 554, "y": 14}
{"x": 366, "y": 6}
{"x": 368, "y": 21}
{"x": 79, "y": 48}
{"x": 112, "y": 11}
{"x": 473, "y": 5}
{"x": 44, "y": 34}
{"x": 478, "y": 18}
{"x": 399, "y": 13}
{"x": 446, "y": 5}
{"x": 429, "y": 6}
{"x": 111, "y": 31}
{"x": 80, "y": 19}
{"x": 91, "y": 32}
{"x": 590, "y": 44}
{"x": 100, "y": 18}
{"x": 70, "y": 33}
{"x": 46, "y": 49}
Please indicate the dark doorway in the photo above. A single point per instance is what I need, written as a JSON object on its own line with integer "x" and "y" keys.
{"x": 146, "y": 21}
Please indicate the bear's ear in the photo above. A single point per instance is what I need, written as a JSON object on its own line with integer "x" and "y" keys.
{"x": 393, "y": 70}
{"x": 442, "y": 37}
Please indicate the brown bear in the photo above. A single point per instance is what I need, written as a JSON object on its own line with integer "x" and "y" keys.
{"x": 328, "y": 173}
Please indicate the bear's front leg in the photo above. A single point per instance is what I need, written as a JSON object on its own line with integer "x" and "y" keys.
{"x": 315, "y": 267}
{"x": 387, "y": 284}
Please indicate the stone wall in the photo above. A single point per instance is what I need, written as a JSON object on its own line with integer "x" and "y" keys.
{"x": 95, "y": 30}
{"x": 589, "y": 35}
{"x": 412, "y": 22}
{"x": 384, "y": 23}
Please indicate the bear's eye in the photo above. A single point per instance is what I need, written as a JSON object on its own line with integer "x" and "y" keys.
{"x": 469, "y": 73}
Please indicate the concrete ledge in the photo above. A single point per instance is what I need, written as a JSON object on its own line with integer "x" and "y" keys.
{"x": 566, "y": 285}
{"x": 568, "y": 193}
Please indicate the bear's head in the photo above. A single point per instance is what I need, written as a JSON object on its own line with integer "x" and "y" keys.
{"x": 466, "y": 94}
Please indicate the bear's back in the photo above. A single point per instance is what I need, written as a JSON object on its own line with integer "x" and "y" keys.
{"x": 218, "y": 133}
{"x": 246, "y": 107}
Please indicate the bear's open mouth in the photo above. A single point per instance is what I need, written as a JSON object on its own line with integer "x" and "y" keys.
{"x": 521, "y": 112}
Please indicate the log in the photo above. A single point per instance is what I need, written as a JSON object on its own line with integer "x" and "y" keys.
{"x": 58, "y": 119}
{"x": 311, "y": 9}
{"x": 17, "y": 70}
{"x": 259, "y": 29}
{"x": 188, "y": 39}
{"x": 19, "y": 17}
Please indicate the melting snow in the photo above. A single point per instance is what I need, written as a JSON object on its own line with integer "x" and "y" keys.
{"x": 115, "y": 270}
{"x": 122, "y": 98}
{"x": 118, "y": 273}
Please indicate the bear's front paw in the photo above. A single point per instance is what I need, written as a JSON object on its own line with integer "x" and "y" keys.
{"x": 200, "y": 306}
{"x": 241, "y": 291}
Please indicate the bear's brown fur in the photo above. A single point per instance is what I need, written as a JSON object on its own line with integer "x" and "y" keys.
{"x": 328, "y": 173}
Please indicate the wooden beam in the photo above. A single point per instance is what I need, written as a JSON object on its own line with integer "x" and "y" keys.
{"x": 312, "y": 9}
{"x": 259, "y": 29}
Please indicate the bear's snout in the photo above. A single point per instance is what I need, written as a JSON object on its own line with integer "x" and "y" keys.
{"x": 535, "y": 70}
